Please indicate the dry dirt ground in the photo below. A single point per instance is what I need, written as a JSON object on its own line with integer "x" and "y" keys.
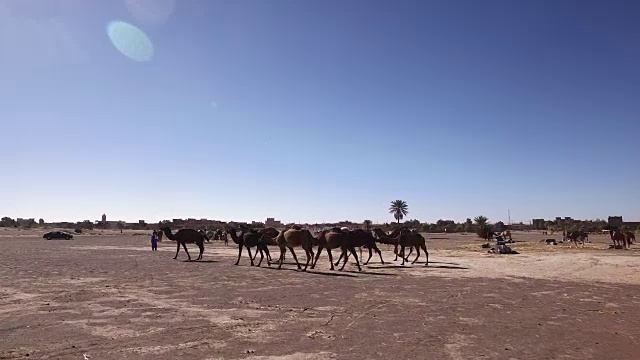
{"x": 110, "y": 297}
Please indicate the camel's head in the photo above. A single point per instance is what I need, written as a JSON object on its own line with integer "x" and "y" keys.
{"x": 165, "y": 229}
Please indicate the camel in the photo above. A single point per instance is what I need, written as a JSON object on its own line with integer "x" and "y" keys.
{"x": 408, "y": 238}
{"x": 360, "y": 238}
{"x": 576, "y": 236}
{"x": 507, "y": 235}
{"x": 184, "y": 236}
{"x": 619, "y": 238}
{"x": 337, "y": 238}
{"x": 631, "y": 237}
{"x": 290, "y": 238}
{"x": 388, "y": 239}
{"x": 250, "y": 238}
{"x": 268, "y": 237}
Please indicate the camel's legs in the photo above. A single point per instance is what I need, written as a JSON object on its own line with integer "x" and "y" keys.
{"x": 315, "y": 261}
{"x": 379, "y": 253}
{"x": 239, "y": 253}
{"x": 395, "y": 251}
{"x": 370, "y": 255}
{"x": 410, "y": 252}
{"x": 340, "y": 258}
{"x": 184, "y": 245}
{"x": 402, "y": 254}
{"x": 352, "y": 250}
{"x": 330, "y": 258}
{"x": 177, "y": 250}
{"x": 201, "y": 247}
{"x": 295, "y": 258}
{"x": 249, "y": 251}
{"x": 261, "y": 255}
{"x": 282, "y": 251}
{"x": 346, "y": 255}
{"x": 424, "y": 247}
{"x": 417, "y": 256}
{"x": 309, "y": 258}
{"x": 266, "y": 250}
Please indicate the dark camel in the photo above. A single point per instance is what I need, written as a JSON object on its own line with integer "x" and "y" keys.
{"x": 360, "y": 238}
{"x": 407, "y": 238}
{"x": 576, "y": 236}
{"x": 619, "y": 238}
{"x": 631, "y": 237}
{"x": 250, "y": 238}
{"x": 268, "y": 236}
{"x": 184, "y": 236}
{"x": 290, "y": 238}
{"x": 333, "y": 239}
{"x": 383, "y": 238}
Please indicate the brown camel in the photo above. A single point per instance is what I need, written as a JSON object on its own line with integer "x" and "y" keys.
{"x": 337, "y": 238}
{"x": 184, "y": 236}
{"x": 290, "y": 238}
{"x": 631, "y": 237}
{"x": 407, "y": 238}
{"x": 576, "y": 236}
{"x": 360, "y": 238}
{"x": 268, "y": 236}
{"x": 619, "y": 239}
{"x": 249, "y": 238}
{"x": 389, "y": 240}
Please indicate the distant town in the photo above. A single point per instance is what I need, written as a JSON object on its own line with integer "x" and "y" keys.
{"x": 449, "y": 226}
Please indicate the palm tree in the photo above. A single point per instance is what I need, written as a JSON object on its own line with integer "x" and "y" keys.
{"x": 399, "y": 209}
{"x": 367, "y": 224}
{"x": 480, "y": 220}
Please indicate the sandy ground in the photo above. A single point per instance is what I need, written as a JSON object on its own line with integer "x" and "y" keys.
{"x": 110, "y": 297}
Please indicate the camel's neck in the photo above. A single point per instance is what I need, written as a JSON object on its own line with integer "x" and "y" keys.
{"x": 234, "y": 237}
{"x": 168, "y": 234}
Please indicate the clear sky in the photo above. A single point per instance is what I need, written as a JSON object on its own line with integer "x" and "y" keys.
{"x": 319, "y": 110}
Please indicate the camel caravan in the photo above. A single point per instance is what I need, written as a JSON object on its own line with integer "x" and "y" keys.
{"x": 342, "y": 239}
{"x": 346, "y": 241}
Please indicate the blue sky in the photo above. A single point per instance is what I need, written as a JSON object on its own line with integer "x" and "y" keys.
{"x": 321, "y": 110}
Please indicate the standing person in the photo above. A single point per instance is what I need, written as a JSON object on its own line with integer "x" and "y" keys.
{"x": 154, "y": 241}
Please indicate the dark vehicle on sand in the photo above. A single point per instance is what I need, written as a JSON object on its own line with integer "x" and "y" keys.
{"x": 57, "y": 235}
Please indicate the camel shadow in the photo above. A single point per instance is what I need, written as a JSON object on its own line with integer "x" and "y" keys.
{"x": 200, "y": 261}
{"x": 332, "y": 273}
{"x": 390, "y": 267}
{"x": 448, "y": 267}
{"x": 310, "y": 271}
{"x": 445, "y": 263}
{"x": 374, "y": 273}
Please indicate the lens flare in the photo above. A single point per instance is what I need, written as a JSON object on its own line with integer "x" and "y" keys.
{"x": 130, "y": 41}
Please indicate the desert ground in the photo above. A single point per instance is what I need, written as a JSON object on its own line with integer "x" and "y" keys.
{"x": 110, "y": 297}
